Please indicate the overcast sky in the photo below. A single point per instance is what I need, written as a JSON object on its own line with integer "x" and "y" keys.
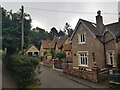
{"x": 65, "y": 12}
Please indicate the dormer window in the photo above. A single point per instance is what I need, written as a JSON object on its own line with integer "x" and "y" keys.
{"x": 81, "y": 38}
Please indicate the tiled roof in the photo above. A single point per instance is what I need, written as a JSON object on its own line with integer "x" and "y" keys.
{"x": 61, "y": 41}
{"x": 49, "y": 44}
{"x": 92, "y": 26}
{"x": 114, "y": 28}
{"x": 67, "y": 47}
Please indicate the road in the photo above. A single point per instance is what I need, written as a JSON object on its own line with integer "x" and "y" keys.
{"x": 52, "y": 79}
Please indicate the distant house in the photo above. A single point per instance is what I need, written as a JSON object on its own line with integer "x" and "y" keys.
{"x": 47, "y": 45}
{"x": 60, "y": 42}
{"x": 67, "y": 49}
{"x": 31, "y": 51}
{"x": 63, "y": 44}
{"x": 95, "y": 43}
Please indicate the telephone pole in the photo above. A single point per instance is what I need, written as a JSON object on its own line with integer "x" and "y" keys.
{"x": 22, "y": 27}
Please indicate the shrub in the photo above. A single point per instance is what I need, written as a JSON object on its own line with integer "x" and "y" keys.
{"x": 48, "y": 54}
{"x": 61, "y": 55}
{"x": 45, "y": 52}
{"x": 41, "y": 58}
{"x": 22, "y": 67}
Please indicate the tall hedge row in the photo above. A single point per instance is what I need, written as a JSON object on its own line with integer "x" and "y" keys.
{"x": 23, "y": 67}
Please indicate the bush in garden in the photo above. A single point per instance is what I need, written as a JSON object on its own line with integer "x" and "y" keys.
{"x": 23, "y": 67}
{"x": 61, "y": 55}
{"x": 48, "y": 54}
{"x": 45, "y": 52}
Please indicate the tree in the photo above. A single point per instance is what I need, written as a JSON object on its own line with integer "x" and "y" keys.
{"x": 37, "y": 34}
{"x": 61, "y": 33}
{"x": 68, "y": 29}
{"x": 11, "y": 30}
{"x": 53, "y": 33}
{"x": 61, "y": 55}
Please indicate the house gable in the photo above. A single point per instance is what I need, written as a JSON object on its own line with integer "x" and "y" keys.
{"x": 88, "y": 25}
{"x": 32, "y": 48}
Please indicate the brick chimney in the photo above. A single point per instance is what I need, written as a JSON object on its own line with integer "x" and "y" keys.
{"x": 99, "y": 22}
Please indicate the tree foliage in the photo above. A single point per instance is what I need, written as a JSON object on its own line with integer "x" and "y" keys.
{"x": 61, "y": 55}
{"x": 68, "y": 29}
{"x": 11, "y": 30}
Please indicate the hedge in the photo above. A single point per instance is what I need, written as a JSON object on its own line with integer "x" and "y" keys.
{"x": 23, "y": 67}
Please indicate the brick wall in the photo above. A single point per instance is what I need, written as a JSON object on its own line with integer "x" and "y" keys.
{"x": 93, "y": 76}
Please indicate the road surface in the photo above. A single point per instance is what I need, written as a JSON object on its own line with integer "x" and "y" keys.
{"x": 51, "y": 79}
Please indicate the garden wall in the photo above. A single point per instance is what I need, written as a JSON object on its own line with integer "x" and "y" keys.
{"x": 93, "y": 76}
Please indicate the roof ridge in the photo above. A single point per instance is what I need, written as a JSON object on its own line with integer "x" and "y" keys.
{"x": 87, "y": 21}
{"x": 111, "y": 23}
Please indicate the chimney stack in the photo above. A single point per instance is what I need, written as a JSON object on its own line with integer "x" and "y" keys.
{"x": 99, "y": 22}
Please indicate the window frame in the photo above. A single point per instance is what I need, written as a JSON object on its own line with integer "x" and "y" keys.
{"x": 109, "y": 57}
{"x": 84, "y": 57}
{"x": 82, "y": 38}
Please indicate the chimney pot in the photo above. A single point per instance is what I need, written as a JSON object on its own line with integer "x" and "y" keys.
{"x": 99, "y": 13}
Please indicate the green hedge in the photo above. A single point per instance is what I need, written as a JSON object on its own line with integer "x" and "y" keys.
{"x": 23, "y": 67}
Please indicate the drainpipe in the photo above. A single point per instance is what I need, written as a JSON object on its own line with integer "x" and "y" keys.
{"x": 104, "y": 47}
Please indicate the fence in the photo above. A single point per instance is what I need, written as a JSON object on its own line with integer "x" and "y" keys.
{"x": 58, "y": 64}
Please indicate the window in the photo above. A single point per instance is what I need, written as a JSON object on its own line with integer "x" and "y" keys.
{"x": 111, "y": 58}
{"x": 36, "y": 53}
{"x": 81, "y": 38}
{"x": 83, "y": 57}
{"x": 68, "y": 53}
{"x": 29, "y": 53}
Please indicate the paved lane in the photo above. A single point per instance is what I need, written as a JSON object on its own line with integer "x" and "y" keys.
{"x": 52, "y": 79}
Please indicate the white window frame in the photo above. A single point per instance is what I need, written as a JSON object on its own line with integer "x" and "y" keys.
{"x": 80, "y": 38}
{"x": 83, "y": 57}
{"x": 108, "y": 55}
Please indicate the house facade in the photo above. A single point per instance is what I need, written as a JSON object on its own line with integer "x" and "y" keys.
{"x": 47, "y": 46}
{"x": 31, "y": 51}
{"x": 60, "y": 42}
{"x": 64, "y": 44}
{"x": 95, "y": 43}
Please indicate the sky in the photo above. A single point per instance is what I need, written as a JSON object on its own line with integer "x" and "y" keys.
{"x": 55, "y": 14}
